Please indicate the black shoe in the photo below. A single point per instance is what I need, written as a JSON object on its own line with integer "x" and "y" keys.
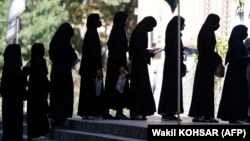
{"x": 248, "y": 119}
{"x": 108, "y": 116}
{"x": 121, "y": 116}
{"x": 211, "y": 120}
{"x": 198, "y": 119}
{"x": 59, "y": 125}
{"x": 85, "y": 117}
{"x": 236, "y": 122}
{"x": 138, "y": 117}
{"x": 168, "y": 118}
{"x": 38, "y": 138}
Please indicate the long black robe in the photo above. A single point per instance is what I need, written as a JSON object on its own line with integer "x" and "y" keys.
{"x": 141, "y": 92}
{"x": 89, "y": 103}
{"x": 117, "y": 47}
{"x": 12, "y": 82}
{"x": 202, "y": 104}
{"x": 168, "y": 103}
{"x": 38, "y": 89}
{"x": 234, "y": 100}
{"x": 62, "y": 55}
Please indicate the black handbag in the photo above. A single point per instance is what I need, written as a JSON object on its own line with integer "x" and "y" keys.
{"x": 219, "y": 71}
{"x": 183, "y": 70}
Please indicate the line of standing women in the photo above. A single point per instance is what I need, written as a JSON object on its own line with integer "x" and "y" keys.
{"x": 138, "y": 98}
{"x": 235, "y": 93}
{"x": 233, "y": 106}
{"x": 60, "y": 89}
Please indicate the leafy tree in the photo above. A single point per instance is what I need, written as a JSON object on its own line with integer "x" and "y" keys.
{"x": 3, "y": 23}
{"x": 80, "y": 9}
{"x": 42, "y": 17}
{"x": 40, "y": 21}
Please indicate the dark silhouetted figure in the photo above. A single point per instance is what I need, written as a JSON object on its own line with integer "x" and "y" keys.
{"x": 38, "y": 90}
{"x": 63, "y": 57}
{"x": 234, "y": 99}
{"x": 202, "y": 103}
{"x": 117, "y": 65}
{"x": 143, "y": 103}
{"x": 13, "y": 81}
{"x": 168, "y": 103}
{"x": 247, "y": 45}
{"x": 90, "y": 103}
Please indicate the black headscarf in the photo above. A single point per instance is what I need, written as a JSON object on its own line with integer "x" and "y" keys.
{"x": 147, "y": 24}
{"x": 173, "y": 24}
{"x": 239, "y": 32}
{"x": 64, "y": 32}
{"x": 118, "y": 31}
{"x": 139, "y": 34}
{"x": 60, "y": 39}
{"x": 212, "y": 22}
{"x": 37, "y": 50}
{"x": 13, "y": 53}
{"x": 120, "y": 18}
{"x": 93, "y": 21}
{"x": 172, "y": 27}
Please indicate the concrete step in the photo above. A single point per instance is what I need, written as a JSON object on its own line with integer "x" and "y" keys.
{"x": 94, "y": 130}
{"x": 25, "y": 138}
{"x": 99, "y": 130}
{"x": 109, "y": 130}
{"x": 122, "y": 128}
{"x": 75, "y": 135}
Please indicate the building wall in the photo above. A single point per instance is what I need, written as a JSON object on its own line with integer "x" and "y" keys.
{"x": 195, "y": 13}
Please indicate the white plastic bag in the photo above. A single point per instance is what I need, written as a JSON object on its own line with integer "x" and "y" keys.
{"x": 98, "y": 86}
{"x": 121, "y": 82}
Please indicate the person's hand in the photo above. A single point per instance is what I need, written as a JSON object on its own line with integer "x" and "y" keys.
{"x": 121, "y": 69}
{"x": 151, "y": 54}
{"x": 99, "y": 72}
